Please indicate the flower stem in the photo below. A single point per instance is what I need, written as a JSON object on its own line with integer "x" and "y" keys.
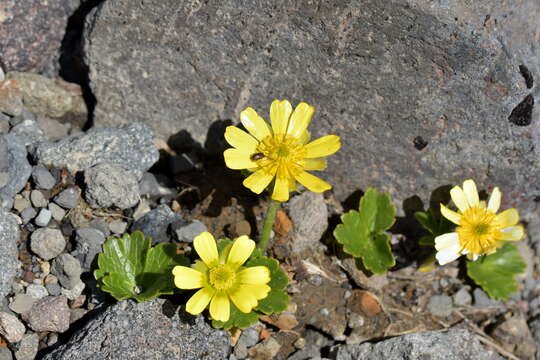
{"x": 268, "y": 222}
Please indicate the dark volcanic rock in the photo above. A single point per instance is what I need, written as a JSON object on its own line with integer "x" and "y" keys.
{"x": 128, "y": 330}
{"x": 31, "y": 32}
{"x": 381, "y": 74}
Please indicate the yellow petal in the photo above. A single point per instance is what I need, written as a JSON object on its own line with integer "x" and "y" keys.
{"x": 260, "y": 291}
{"x": 323, "y": 146}
{"x": 205, "y": 246}
{"x": 494, "y": 200}
{"x": 281, "y": 186}
{"x": 304, "y": 137}
{"x": 313, "y": 183}
{"x": 220, "y": 307}
{"x": 240, "y": 139}
{"x": 187, "y": 278}
{"x": 300, "y": 119}
{"x": 238, "y": 159}
{"x": 254, "y": 275}
{"x": 459, "y": 198}
{"x": 450, "y": 215}
{"x": 280, "y": 112}
{"x": 240, "y": 251}
{"x": 243, "y": 299}
{"x": 200, "y": 266}
{"x": 258, "y": 181}
{"x": 508, "y": 217}
{"x": 512, "y": 233}
{"x": 448, "y": 248}
{"x": 469, "y": 188}
{"x": 314, "y": 164}
{"x": 199, "y": 301}
{"x": 254, "y": 124}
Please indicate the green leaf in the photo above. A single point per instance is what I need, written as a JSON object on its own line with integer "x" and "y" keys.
{"x": 277, "y": 300}
{"x": 435, "y": 223}
{"x": 362, "y": 232}
{"x": 496, "y": 273}
{"x": 129, "y": 267}
{"x": 237, "y": 319}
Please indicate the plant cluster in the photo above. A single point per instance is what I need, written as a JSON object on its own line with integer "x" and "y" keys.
{"x": 237, "y": 282}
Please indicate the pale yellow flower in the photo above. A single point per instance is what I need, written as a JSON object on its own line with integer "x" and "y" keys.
{"x": 221, "y": 278}
{"x": 480, "y": 230}
{"x": 280, "y": 153}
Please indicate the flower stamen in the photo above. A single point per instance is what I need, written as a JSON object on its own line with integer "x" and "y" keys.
{"x": 222, "y": 277}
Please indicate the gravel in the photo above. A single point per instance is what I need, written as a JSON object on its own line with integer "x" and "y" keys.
{"x": 186, "y": 232}
{"x": 43, "y": 218}
{"x": 15, "y": 163}
{"x": 9, "y": 262}
{"x": 47, "y": 243}
{"x": 43, "y": 178}
{"x": 29, "y": 132}
{"x": 49, "y": 314}
{"x": 28, "y": 347}
{"x": 67, "y": 269}
{"x": 109, "y": 185}
{"x": 309, "y": 214}
{"x": 28, "y": 214}
{"x": 38, "y": 199}
{"x": 117, "y": 332}
{"x": 36, "y": 291}
{"x": 69, "y": 198}
{"x": 22, "y": 303}
{"x": 11, "y": 328}
{"x": 440, "y": 305}
{"x": 118, "y": 226}
{"x": 88, "y": 244}
{"x": 57, "y": 212}
{"x": 155, "y": 224}
{"x": 462, "y": 297}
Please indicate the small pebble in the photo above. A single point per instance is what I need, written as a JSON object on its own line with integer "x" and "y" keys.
{"x": 43, "y": 178}
{"x": 43, "y": 218}
{"x": 47, "y": 243}
{"x": 54, "y": 289}
{"x": 28, "y": 347}
{"x": 38, "y": 199}
{"x": 36, "y": 291}
{"x": 57, "y": 212}
{"x": 462, "y": 297}
{"x": 69, "y": 198}
{"x": 11, "y": 328}
{"x": 100, "y": 225}
{"x": 117, "y": 226}
{"x": 22, "y": 303}
{"x": 20, "y": 203}
{"x": 28, "y": 214}
{"x": 186, "y": 232}
{"x": 440, "y": 305}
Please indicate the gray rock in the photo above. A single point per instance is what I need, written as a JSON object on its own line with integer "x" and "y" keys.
{"x": 36, "y": 291}
{"x": 15, "y": 163}
{"x": 4, "y": 179}
{"x": 49, "y": 314}
{"x": 462, "y": 297}
{"x": 112, "y": 334}
{"x": 186, "y": 232}
{"x": 481, "y": 299}
{"x": 28, "y": 132}
{"x": 33, "y": 48}
{"x": 110, "y": 185}
{"x": 356, "y": 76}
{"x": 43, "y": 178}
{"x": 43, "y": 218}
{"x": 534, "y": 326}
{"x": 9, "y": 263}
{"x": 74, "y": 292}
{"x": 57, "y": 212}
{"x": 88, "y": 245}
{"x": 23, "y": 116}
{"x": 156, "y": 186}
{"x": 5, "y": 354}
{"x": 455, "y": 344}
{"x": 118, "y": 226}
{"x": 28, "y": 214}
{"x": 156, "y": 223}
{"x": 129, "y": 145}
{"x": 22, "y": 303}
{"x": 67, "y": 269}
{"x": 11, "y": 328}
{"x": 247, "y": 339}
{"x": 68, "y": 198}
{"x": 440, "y": 305}
{"x": 101, "y": 225}
{"x": 47, "y": 243}
{"x": 53, "y": 129}
{"x": 28, "y": 347}
{"x": 54, "y": 289}
{"x": 309, "y": 215}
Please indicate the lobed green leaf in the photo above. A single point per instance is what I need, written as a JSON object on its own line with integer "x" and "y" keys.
{"x": 129, "y": 267}
{"x": 362, "y": 232}
{"x": 496, "y": 273}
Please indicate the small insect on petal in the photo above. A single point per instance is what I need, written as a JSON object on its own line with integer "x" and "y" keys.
{"x": 257, "y": 156}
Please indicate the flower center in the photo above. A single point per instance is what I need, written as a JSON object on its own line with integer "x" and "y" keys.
{"x": 477, "y": 230}
{"x": 279, "y": 150}
{"x": 222, "y": 277}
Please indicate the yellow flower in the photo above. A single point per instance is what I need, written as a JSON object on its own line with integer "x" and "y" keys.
{"x": 281, "y": 152}
{"x": 221, "y": 278}
{"x": 480, "y": 230}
